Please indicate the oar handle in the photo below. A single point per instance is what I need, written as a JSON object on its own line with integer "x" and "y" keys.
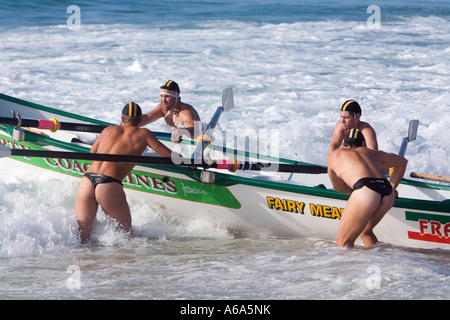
{"x": 55, "y": 125}
{"x": 52, "y": 125}
{"x": 22, "y": 122}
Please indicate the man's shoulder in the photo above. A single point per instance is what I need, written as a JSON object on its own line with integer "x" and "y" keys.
{"x": 131, "y": 129}
{"x": 141, "y": 130}
{"x": 185, "y": 106}
{"x": 111, "y": 129}
{"x": 339, "y": 152}
{"x": 346, "y": 153}
{"x": 137, "y": 132}
{"x": 189, "y": 111}
{"x": 365, "y": 126}
{"x": 368, "y": 152}
{"x": 145, "y": 132}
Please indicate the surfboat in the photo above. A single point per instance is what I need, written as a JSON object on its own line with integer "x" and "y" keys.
{"x": 280, "y": 204}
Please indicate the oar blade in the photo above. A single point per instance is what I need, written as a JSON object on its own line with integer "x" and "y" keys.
{"x": 227, "y": 99}
{"x": 412, "y": 130}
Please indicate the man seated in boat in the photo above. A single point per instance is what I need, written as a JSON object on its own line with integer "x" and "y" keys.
{"x": 182, "y": 116}
{"x": 371, "y": 194}
{"x": 102, "y": 183}
{"x": 350, "y": 118}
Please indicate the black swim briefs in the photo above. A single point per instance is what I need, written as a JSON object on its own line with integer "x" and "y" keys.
{"x": 379, "y": 185}
{"x": 97, "y": 178}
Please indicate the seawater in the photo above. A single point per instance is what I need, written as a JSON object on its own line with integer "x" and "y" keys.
{"x": 291, "y": 64}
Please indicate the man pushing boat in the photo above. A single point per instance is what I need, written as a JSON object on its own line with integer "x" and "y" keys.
{"x": 182, "y": 116}
{"x": 371, "y": 194}
{"x": 102, "y": 183}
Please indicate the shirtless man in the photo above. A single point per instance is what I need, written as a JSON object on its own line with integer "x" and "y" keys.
{"x": 371, "y": 195}
{"x": 177, "y": 114}
{"x": 102, "y": 183}
{"x": 350, "y": 118}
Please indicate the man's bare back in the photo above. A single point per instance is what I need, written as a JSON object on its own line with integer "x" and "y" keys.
{"x": 128, "y": 140}
{"x": 350, "y": 165}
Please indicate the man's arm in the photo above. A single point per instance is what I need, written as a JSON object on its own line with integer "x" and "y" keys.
{"x": 151, "y": 116}
{"x": 156, "y": 145}
{"x": 337, "y": 182}
{"x": 370, "y": 137}
{"x": 398, "y": 163}
{"x": 336, "y": 139}
{"x": 95, "y": 145}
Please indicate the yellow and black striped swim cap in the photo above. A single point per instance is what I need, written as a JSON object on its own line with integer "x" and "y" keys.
{"x": 351, "y": 106}
{"x": 171, "y": 86}
{"x": 132, "y": 109}
{"x": 354, "y": 137}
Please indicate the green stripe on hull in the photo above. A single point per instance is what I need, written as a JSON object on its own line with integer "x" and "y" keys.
{"x": 137, "y": 180}
{"x": 416, "y": 216}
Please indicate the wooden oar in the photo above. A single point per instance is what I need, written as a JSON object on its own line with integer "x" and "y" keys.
{"x": 205, "y": 139}
{"x": 231, "y": 165}
{"x": 427, "y": 176}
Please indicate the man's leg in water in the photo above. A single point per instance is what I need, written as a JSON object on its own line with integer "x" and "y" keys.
{"x": 367, "y": 236}
{"x": 85, "y": 208}
{"x": 113, "y": 201}
{"x": 359, "y": 210}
